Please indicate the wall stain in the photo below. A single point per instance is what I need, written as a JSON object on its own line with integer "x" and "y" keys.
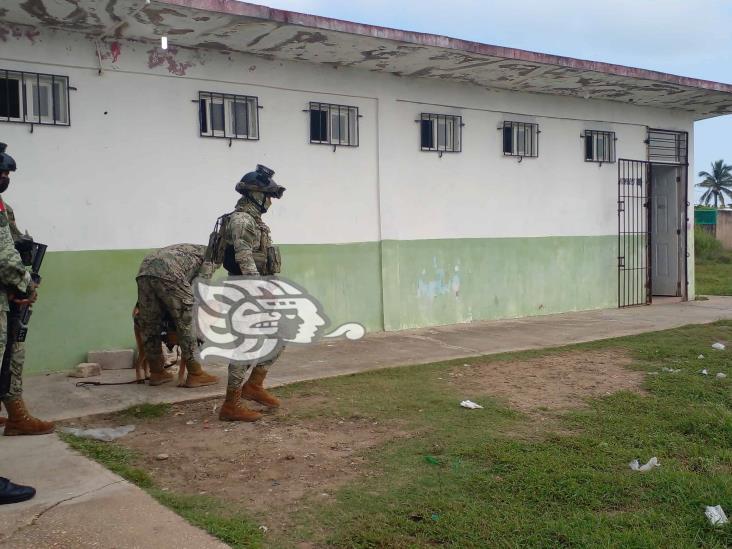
{"x": 439, "y": 282}
{"x": 158, "y": 57}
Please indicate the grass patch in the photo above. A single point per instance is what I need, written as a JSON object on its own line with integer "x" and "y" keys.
{"x": 466, "y": 480}
{"x": 147, "y": 411}
{"x": 713, "y": 265}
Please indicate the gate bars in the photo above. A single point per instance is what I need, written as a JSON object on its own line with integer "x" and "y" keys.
{"x": 634, "y": 233}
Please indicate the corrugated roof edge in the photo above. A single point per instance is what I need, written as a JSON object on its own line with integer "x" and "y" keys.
{"x": 245, "y": 9}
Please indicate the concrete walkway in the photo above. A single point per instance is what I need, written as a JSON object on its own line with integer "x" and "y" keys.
{"x": 80, "y": 504}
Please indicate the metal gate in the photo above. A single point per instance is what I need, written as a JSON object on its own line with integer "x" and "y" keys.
{"x": 634, "y": 233}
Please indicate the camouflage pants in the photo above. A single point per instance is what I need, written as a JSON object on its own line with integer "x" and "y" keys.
{"x": 16, "y": 361}
{"x": 155, "y": 296}
{"x": 237, "y": 372}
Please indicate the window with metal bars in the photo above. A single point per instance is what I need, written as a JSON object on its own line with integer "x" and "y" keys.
{"x": 229, "y": 116}
{"x": 440, "y": 132}
{"x": 520, "y": 139}
{"x": 668, "y": 146}
{"x": 599, "y": 146}
{"x": 335, "y": 125}
{"x": 34, "y": 98}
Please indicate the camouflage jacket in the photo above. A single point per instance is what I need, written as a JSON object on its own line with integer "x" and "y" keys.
{"x": 249, "y": 236}
{"x": 177, "y": 263}
{"x": 13, "y": 274}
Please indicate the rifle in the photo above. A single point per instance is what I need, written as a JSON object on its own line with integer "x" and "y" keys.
{"x": 31, "y": 254}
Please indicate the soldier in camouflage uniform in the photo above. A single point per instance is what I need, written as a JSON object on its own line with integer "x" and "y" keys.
{"x": 248, "y": 251}
{"x": 164, "y": 285}
{"x": 17, "y": 286}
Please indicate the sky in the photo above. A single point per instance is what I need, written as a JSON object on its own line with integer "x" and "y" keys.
{"x": 685, "y": 37}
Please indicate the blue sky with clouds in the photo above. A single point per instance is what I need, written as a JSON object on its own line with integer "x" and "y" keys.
{"x": 685, "y": 37}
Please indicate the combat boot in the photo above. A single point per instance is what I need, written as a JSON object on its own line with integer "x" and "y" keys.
{"x": 20, "y": 422}
{"x": 197, "y": 377}
{"x": 158, "y": 375}
{"x": 253, "y": 390}
{"x": 234, "y": 410}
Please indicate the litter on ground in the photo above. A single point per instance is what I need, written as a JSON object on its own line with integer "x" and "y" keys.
{"x": 700, "y": 356}
{"x": 716, "y": 515}
{"x": 470, "y": 404}
{"x": 721, "y": 375}
{"x": 704, "y": 372}
{"x": 719, "y": 346}
{"x": 105, "y": 434}
{"x": 636, "y": 466}
{"x": 670, "y": 370}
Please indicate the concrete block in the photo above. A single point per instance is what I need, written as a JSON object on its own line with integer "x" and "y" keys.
{"x": 112, "y": 359}
{"x": 86, "y": 369}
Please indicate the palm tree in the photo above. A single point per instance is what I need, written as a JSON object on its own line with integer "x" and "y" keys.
{"x": 717, "y": 184}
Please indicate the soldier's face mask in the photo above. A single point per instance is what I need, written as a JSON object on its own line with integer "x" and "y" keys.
{"x": 4, "y": 181}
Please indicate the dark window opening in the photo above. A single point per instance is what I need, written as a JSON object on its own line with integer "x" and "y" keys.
{"x": 599, "y": 146}
{"x": 440, "y": 132}
{"x": 520, "y": 139}
{"x": 34, "y": 98}
{"x": 333, "y": 124}
{"x": 229, "y": 116}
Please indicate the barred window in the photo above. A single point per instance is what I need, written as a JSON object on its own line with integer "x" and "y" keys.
{"x": 335, "y": 125}
{"x": 34, "y": 98}
{"x": 599, "y": 146}
{"x": 668, "y": 146}
{"x": 440, "y": 132}
{"x": 228, "y": 115}
{"x": 520, "y": 139}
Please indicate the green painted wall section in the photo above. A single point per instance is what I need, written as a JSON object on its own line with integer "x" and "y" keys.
{"x": 434, "y": 282}
{"x": 86, "y": 299}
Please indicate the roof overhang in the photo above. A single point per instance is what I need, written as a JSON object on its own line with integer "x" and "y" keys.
{"x": 230, "y": 25}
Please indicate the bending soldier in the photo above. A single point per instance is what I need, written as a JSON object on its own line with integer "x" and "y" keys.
{"x": 16, "y": 286}
{"x": 164, "y": 285}
{"x": 248, "y": 251}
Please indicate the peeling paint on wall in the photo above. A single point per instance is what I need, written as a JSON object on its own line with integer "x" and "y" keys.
{"x": 439, "y": 282}
{"x": 18, "y": 32}
{"x": 158, "y": 57}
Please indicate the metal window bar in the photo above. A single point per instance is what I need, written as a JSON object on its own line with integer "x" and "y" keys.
{"x": 634, "y": 233}
{"x": 59, "y": 102}
{"x": 667, "y": 146}
{"x": 520, "y": 139}
{"x": 232, "y": 126}
{"x": 324, "y": 130}
{"x": 599, "y": 146}
{"x": 435, "y": 135}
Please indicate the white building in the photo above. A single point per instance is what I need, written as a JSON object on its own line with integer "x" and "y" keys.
{"x": 429, "y": 180}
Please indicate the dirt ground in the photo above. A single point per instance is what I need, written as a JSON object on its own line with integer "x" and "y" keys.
{"x": 278, "y": 464}
{"x": 553, "y": 382}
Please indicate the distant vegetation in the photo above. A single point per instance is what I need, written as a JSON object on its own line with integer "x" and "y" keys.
{"x": 718, "y": 184}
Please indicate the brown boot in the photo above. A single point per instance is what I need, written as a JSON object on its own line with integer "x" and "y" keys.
{"x": 253, "y": 390}
{"x": 234, "y": 410}
{"x": 2, "y": 419}
{"x": 158, "y": 378}
{"x": 20, "y": 422}
{"x": 197, "y": 377}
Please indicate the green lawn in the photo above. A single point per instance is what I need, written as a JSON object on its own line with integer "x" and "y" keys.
{"x": 492, "y": 478}
{"x": 714, "y": 277}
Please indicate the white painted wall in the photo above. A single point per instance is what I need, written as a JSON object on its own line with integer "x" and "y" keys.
{"x": 139, "y": 176}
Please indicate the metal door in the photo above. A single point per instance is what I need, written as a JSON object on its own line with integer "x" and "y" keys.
{"x": 634, "y": 237}
{"x": 665, "y": 231}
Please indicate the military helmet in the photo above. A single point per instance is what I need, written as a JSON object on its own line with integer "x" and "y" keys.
{"x": 260, "y": 180}
{"x": 7, "y": 164}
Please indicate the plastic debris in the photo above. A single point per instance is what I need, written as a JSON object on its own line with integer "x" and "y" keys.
{"x": 670, "y": 370}
{"x": 636, "y": 466}
{"x": 716, "y": 515}
{"x": 105, "y": 434}
{"x": 721, "y": 375}
{"x": 719, "y": 346}
{"x": 162, "y": 457}
{"x": 470, "y": 404}
{"x": 704, "y": 372}
{"x": 263, "y": 528}
{"x": 700, "y": 357}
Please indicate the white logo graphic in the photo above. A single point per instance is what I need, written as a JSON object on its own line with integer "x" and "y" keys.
{"x": 248, "y": 320}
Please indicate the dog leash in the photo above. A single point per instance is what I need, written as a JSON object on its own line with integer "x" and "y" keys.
{"x": 133, "y": 382}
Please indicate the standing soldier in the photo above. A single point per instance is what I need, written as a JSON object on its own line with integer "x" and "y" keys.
{"x": 248, "y": 251}
{"x": 16, "y": 286}
{"x": 164, "y": 285}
